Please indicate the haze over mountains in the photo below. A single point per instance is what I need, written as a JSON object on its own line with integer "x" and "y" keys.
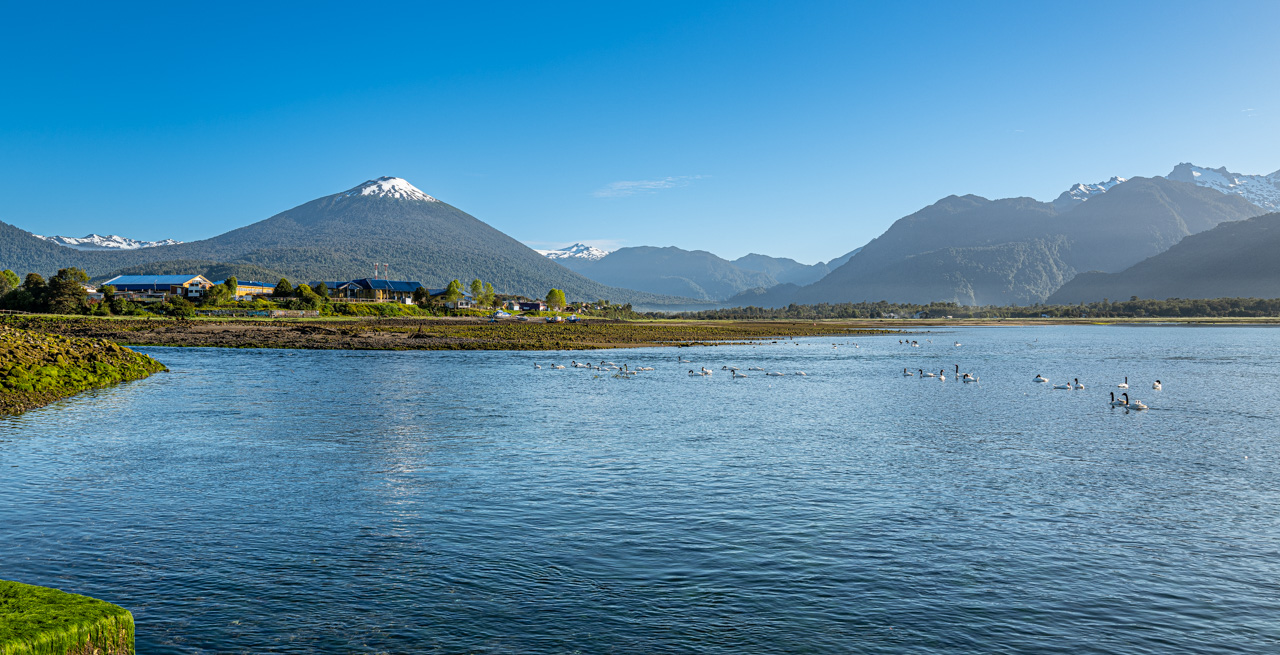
{"x": 1092, "y": 239}
{"x": 690, "y": 273}
{"x": 1233, "y": 260}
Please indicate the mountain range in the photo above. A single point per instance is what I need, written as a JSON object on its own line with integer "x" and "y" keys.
{"x": 108, "y": 242}
{"x": 341, "y": 236}
{"x": 1233, "y": 260}
{"x": 972, "y": 250}
{"x": 1092, "y": 239}
{"x": 689, "y": 273}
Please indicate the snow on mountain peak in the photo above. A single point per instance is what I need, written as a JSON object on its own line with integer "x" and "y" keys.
{"x": 1081, "y": 192}
{"x": 108, "y": 242}
{"x": 576, "y": 251}
{"x": 389, "y": 187}
{"x": 1261, "y": 190}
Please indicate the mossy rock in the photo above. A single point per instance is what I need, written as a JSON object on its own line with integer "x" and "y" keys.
{"x": 43, "y": 621}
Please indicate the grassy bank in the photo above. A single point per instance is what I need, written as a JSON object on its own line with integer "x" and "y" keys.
{"x": 424, "y": 334}
{"x": 38, "y": 368}
{"x": 42, "y": 621}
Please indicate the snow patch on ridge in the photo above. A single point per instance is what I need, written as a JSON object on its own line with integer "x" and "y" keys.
{"x": 576, "y": 251}
{"x": 108, "y": 242}
{"x": 1081, "y": 192}
{"x": 389, "y": 187}
{"x": 1261, "y": 190}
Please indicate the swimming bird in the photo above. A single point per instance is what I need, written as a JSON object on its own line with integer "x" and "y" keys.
{"x": 1123, "y": 385}
{"x": 1078, "y": 385}
{"x": 1157, "y": 386}
{"x": 682, "y": 360}
{"x": 970, "y": 378}
{"x": 775, "y": 374}
{"x": 1040, "y": 378}
{"x": 739, "y": 375}
{"x": 558, "y": 367}
{"x": 957, "y": 344}
{"x": 1114, "y": 402}
{"x": 799, "y": 373}
{"x": 907, "y": 374}
{"x": 1063, "y": 386}
{"x": 1133, "y": 404}
{"x": 756, "y": 368}
{"x": 537, "y": 367}
{"x": 927, "y": 375}
{"x": 693, "y": 372}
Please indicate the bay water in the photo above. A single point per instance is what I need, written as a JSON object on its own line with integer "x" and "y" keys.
{"x": 335, "y": 501}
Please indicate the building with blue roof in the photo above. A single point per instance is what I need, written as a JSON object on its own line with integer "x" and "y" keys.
{"x": 187, "y": 286}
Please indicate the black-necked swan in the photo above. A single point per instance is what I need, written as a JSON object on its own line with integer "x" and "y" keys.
{"x": 1040, "y": 378}
{"x": 927, "y": 375}
{"x": 1078, "y": 385}
{"x": 1123, "y": 385}
{"x": 1157, "y": 386}
{"x": 907, "y": 374}
{"x": 1114, "y": 402}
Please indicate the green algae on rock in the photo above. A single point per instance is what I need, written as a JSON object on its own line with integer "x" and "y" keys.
{"x": 37, "y": 368}
{"x": 43, "y": 621}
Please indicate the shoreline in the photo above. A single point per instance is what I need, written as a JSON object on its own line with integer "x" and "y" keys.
{"x": 473, "y": 333}
{"x": 427, "y": 334}
{"x": 39, "y": 368}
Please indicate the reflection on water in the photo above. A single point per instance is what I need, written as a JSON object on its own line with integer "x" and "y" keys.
{"x": 293, "y": 501}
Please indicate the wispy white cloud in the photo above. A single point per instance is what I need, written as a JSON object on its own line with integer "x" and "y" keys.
{"x": 635, "y": 187}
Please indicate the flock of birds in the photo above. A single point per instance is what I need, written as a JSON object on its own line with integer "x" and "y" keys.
{"x": 626, "y": 371}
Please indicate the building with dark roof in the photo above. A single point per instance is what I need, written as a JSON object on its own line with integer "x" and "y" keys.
{"x": 365, "y": 288}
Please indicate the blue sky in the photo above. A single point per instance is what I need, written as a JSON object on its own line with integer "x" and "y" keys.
{"x": 793, "y": 129}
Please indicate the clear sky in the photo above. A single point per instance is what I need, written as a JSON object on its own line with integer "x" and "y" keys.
{"x": 795, "y": 129}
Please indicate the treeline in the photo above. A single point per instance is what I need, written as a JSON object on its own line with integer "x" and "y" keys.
{"x": 1132, "y": 308}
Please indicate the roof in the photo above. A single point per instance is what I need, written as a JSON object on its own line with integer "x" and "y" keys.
{"x": 249, "y": 283}
{"x": 386, "y": 285}
{"x": 151, "y": 280}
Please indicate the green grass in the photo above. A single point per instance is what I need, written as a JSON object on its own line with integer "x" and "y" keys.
{"x": 43, "y": 621}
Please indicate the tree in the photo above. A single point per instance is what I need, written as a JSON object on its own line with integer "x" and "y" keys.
{"x": 283, "y": 289}
{"x": 477, "y": 289}
{"x": 8, "y": 281}
{"x": 321, "y": 290}
{"x": 66, "y": 292}
{"x": 555, "y": 299}
{"x": 488, "y": 297}
{"x": 453, "y": 293}
{"x": 179, "y": 307}
{"x": 232, "y": 285}
{"x": 421, "y": 296}
{"x": 302, "y": 291}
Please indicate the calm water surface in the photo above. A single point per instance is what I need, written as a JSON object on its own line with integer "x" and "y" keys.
{"x": 308, "y": 501}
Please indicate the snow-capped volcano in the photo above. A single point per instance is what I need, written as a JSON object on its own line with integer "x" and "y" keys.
{"x": 108, "y": 242}
{"x": 576, "y": 251}
{"x": 1081, "y": 192}
{"x": 389, "y": 187}
{"x": 1261, "y": 190}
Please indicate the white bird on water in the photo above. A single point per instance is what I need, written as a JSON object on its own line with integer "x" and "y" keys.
{"x": 1123, "y": 385}
{"x": 1157, "y": 386}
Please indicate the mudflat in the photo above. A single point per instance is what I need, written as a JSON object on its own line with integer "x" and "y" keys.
{"x": 425, "y": 334}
